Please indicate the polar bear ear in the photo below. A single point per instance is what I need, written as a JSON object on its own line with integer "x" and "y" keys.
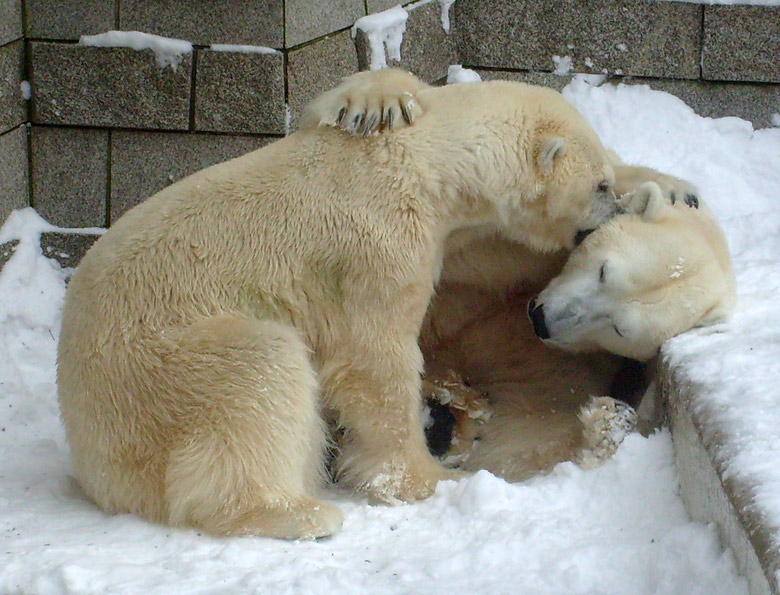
{"x": 648, "y": 201}
{"x": 552, "y": 148}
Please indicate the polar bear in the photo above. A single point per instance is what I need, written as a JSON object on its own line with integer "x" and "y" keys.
{"x": 542, "y": 411}
{"x": 667, "y": 270}
{"x": 209, "y": 334}
{"x": 639, "y": 281}
{"x": 481, "y": 263}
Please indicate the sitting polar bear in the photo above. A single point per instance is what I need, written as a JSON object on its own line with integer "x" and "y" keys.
{"x": 636, "y": 281}
{"x": 212, "y": 329}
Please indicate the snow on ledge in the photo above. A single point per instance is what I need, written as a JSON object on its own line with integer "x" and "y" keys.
{"x": 243, "y": 49}
{"x": 167, "y": 51}
{"x": 385, "y": 32}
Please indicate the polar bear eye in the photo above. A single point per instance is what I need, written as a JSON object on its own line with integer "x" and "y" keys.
{"x": 603, "y": 273}
{"x": 617, "y": 330}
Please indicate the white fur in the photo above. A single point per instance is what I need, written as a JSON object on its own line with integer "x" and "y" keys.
{"x": 208, "y": 334}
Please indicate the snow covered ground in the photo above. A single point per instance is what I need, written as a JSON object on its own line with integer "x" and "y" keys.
{"x": 620, "y": 529}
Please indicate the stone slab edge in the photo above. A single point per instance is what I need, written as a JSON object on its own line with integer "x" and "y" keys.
{"x": 711, "y": 498}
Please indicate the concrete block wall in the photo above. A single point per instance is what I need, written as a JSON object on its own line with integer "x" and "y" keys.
{"x": 109, "y": 126}
{"x": 14, "y": 173}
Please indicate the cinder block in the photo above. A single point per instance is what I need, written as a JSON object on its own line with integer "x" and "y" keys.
{"x": 247, "y": 22}
{"x": 13, "y": 110}
{"x": 67, "y": 248}
{"x": 14, "y": 188}
{"x": 381, "y": 5}
{"x": 741, "y": 43}
{"x": 68, "y": 20}
{"x": 70, "y": 175}
{"x": 543, "y": 79}
{"x": 317, "y": 67}
{"x": 307, "y": 19}
{"x": 659, "y": 39}
{"x": 427, "y": 50}
{"x": 10, "y": 20}
{"x": 114, "y": 87}
{"x": 240, "y": 92}
{"x": 142, "y": 163}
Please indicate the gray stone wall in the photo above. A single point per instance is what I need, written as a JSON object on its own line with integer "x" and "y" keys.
{"x": 108, "y": 126}
{"x": 14, "y": 176}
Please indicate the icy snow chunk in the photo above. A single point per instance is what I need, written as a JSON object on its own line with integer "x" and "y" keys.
{"x": 167, "y": 51}
{"x": 457, "y": 74}
{"x": 26, "y": 90}
{"x": 562, "y": 65}
{"x": 776, "y": 119}
{"x": 243, "y": 49}
{"x": 385, "y": 32}
{"x": 445, "y": 14}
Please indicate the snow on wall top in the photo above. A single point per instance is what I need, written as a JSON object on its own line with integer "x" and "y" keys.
{"x": 385, "y": 32}
{"x": 167, "y": 51}
{"x": 243, "y": 49}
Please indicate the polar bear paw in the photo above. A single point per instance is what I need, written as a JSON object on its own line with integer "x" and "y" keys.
{"x": 605, "y": 423}
{"x": 367, "y": 103}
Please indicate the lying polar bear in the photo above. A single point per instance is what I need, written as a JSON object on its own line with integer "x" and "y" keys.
{"x": 636, "y": 281}
{"x": 208, "y": 335}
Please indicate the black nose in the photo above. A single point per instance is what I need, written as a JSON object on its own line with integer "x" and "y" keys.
{"x": 536, "y": 314}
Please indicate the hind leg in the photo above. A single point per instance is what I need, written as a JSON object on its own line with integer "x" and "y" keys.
{"x": 248, "y": 456}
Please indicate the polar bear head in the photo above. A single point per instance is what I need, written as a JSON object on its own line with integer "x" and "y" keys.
{"x": 638, "y": 280}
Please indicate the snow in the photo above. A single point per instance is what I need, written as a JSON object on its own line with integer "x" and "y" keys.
{"x": 735, "y": 367}
{"x": 445, "y": 14}
{"x": 562, "y": 65}
{"x": 26, "y": 90}
{"x": 618, "y": 529}
{"x": 457, "y": 74}
{"x": 243, "y": 49}
{"x": 385, "y": 33}
{"x": 167, "y": 51}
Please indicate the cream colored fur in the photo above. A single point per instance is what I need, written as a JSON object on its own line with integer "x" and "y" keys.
{"x": 641, "y": 279}
{"x": 543, "y": 408}
{"x": 208, "y": 335}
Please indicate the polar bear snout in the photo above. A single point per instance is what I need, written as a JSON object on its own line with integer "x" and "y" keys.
{"x": 536, "y": 314}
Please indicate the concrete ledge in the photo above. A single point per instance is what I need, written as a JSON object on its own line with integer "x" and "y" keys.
{"x": 709, "y": 496}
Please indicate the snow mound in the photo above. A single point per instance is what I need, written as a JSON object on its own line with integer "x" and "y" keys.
{"x": 457, "y": 74}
